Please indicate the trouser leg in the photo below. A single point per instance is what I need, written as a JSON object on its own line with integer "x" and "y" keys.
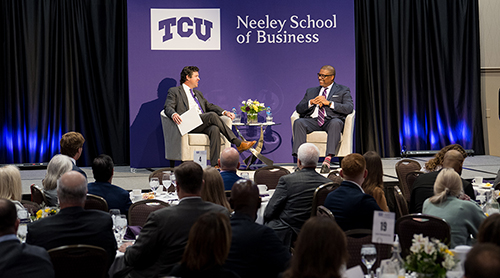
{"x": 301, "y": 127}
{"x": 334, "y": 128}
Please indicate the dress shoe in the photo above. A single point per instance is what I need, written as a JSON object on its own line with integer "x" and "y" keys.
{"x": 245, "y": 145}
{"x": 325, "y": 168}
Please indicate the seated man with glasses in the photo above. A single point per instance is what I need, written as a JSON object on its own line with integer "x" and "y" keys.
{"x": 323, "y": 108}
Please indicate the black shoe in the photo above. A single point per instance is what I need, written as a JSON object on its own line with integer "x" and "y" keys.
{"x": 325, "y": 168}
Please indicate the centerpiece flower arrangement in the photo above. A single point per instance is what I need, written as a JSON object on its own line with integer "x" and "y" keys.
{"x": 429, "y": 258}
{"x": 252, "y": 108}
{"x": 44, "y": 212}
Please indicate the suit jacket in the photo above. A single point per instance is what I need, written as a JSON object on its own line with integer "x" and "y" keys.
{"x": 161, "y": 243}
{"x": 423, "y": 188}
{"x": 352, "y": 208}
{"x": 255, "y": 251}
{"x": 177, "y": 102}
{"x": 74, "y": 225}
{"x": 340, "y": 95}
{"x": 21, "y": 260}
{"x": 229, "y": 178}
{"x": 76, "y": 168}
{"x": 116, "y": 197}
{"x": 290, "y": 206}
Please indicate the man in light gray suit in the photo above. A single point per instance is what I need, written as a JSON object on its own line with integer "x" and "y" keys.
{"x": 290, "y": 206}
{"x": 323, "y": 108}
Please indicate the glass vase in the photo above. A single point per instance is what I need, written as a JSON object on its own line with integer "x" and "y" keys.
{"x": 252, "y": 118}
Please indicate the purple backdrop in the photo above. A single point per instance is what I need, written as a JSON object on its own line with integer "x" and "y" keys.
{"x": 246, "y": 66}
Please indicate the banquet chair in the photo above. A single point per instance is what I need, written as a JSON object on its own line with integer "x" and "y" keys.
{"x": 355, "y": 239}
{"x": 320, "y": 194}
{"x": 322, "y": 211}
{"x": 159, "y": 174}
{"x": 269, "y": 175}
{"x": 138, "y": 212}
{"x": 37, "y": 195}
{"x": 401, "y": 206}
{"x": 79, "y": 261}
{"x": 182, "y": 148}
{"x": 32, "y": 207}
{"x": 427, "y": 225}
{"x": 318, "y": 138}
{"x": 335, "y": 176}
{"x": 96, "y": 202}
{"x": 411, "y": 177}
{"x": 403, "y": 167}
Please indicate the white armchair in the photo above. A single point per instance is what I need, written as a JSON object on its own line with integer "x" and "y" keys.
{"x": 318, "y": 138}
{"x": 182, "y": 148}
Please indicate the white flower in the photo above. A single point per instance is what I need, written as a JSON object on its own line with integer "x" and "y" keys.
{"x": 429, "y": 248}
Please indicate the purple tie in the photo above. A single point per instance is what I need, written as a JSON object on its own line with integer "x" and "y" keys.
{"x": 322, "y": 112}
{"x": 195, "y": 99}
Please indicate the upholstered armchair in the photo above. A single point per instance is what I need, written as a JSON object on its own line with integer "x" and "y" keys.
{"x": 318, "y": 138}
{"x": 182, "y": 148}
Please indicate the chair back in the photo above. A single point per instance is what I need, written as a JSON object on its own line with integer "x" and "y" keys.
{"x": 411, "y": 177}
{"x": 335, "y": 176}
{"x": 37, "y": 195}
{"x": 404, "y": 167}
{"x": 322, "y": 211}
{"x": 159, "y": 174}
{"x": 32, "y": 207}
{"x": 320, "y": 194}
{"x": 269, "y": 175}
{"x": 139, "y": 211}
{"x": 96, "y": 202}
{"x": 79, "y": 261}
{"x": 355, "y": 239}
{"x": 427, "y": 225}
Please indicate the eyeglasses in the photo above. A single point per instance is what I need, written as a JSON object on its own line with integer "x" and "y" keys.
{"x": 322, "y": 76}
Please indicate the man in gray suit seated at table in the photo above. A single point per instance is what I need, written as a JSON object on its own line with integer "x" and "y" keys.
{"x": 290, "y": 206}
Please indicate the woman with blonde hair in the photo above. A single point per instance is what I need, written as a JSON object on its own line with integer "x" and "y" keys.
{"x": 463, "y": 216}
{"x": 213, "y": 189}
{"x": 58, "y": 165}
{"x": 10, "y": 185}
{"x": 374, "y": 184}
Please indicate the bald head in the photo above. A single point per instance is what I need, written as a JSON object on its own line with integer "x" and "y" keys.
{"x": 453, "y": 159}
{"x": 229, "y": 159}
{"x": 72, "y": 189}
{"x": 245, "y": 197}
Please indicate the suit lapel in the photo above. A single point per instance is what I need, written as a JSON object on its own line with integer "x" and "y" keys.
{"x": 334, "y": 89}
{"x": 183, "y": 97}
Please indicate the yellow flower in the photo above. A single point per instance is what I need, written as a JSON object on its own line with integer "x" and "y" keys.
{"x": 254, "y": 107}
{"x": 449, "y": 252}
{"x": 39, "y": 213}
{"x": 47, "y": 209}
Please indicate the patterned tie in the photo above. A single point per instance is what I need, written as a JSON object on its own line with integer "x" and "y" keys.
{"x": 322, "y": 112}
{"x": 195, "y": 99}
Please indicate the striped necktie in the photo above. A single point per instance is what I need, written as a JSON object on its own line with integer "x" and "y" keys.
{"x": 322, "y": 112}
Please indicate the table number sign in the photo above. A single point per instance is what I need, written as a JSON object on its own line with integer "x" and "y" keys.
{"x": 383, "y": 227}
{"x": 200, "y": 157}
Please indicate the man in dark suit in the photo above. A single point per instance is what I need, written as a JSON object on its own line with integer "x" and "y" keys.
{"x": 229, "y": 162}
{"x": 161, "y": 243}
{"x": 423, "y": 187}
{"x": 352, "y": 208}
{"x": 116, "y": 197}
{"x": 19, "y": 259}
{"x": 182, "y": 98}
{"x": 72, "y": 145}
{"x": 323, "y": 108}
{"x": 290, "y": 206}
{"x": 253, "y": 244}
{"x": 73, "y": 224}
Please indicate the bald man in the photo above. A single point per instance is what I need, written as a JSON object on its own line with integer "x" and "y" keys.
{"x": 423, "y": 187}
{"x": 73, "y": 224}
{"x": 253, "y": 244}
{"x": 229, "y": 162}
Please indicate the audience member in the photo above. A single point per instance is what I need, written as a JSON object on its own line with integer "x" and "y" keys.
{"x": 18, "y": 259}
{"x": 207, "y": 248}
{"x": 229, "y": 162}
{"x": 161, "y": 242}
{"x": 489, "y": 230}
{"x": 483, "y": 261}
{"x": 423, "y": 187}
{"x": 10, "y": 185}
{"x": 374, "y": 184}
{"x": 290, "y": 206}
{"x": 463, "y": 216}
{"x": 256, "y": 251}
{"x": 352, "y": 208}
{"x": 115, "y": 196}
{"x": 58, "y": 165}
{"x": 436, "y": 163}
{"x": 213, "y": 189}
{"x": 72, "y": 146}
{"x": 320, "y": 251}
{"x": 73, "y": 224}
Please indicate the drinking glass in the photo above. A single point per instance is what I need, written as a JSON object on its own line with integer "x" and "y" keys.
{"x": 389, "y": 269}
{"x": 166, "y": 180}
{"x": 114, "y": 213}
{"x": 173, "y": 180}
{"x": 22, "y": 230}
{"x": 368, "y": 256}
{"x": 154, "y": 183}
{"x": 120, "y": 227}
{"x": 245, "y": 175}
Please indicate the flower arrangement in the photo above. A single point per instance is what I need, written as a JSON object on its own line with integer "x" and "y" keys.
{"x": 429, "y": 257}
{"x": 44, "y": 212}
{"x": 252, "y": 106}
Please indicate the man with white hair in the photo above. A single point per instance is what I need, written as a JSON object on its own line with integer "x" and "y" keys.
{"x": 290, "y": 206}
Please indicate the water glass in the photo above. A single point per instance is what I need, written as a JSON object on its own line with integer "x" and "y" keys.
{"x": 154, "y": 183}
{"x": 389, "y": 269}
{"x": 368, "y": 256}
{"x": 114, "y": 213}
{"x": 22, "y": 230}
{"x": 166, "y": 180}
{"x": 173, "y": 180}
{"x": 120, "y": 227}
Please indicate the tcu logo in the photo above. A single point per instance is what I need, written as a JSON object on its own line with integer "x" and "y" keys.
{"x": 185, "y": 27}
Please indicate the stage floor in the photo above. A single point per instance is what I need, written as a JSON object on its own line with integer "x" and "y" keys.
{"x": 485, "y": 166}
